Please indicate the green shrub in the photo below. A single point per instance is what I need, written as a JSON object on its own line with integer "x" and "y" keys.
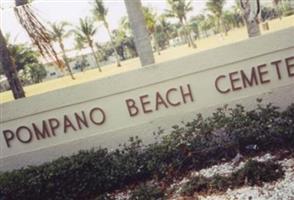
{"x": 220, "y": 183}
{"x": 196, "y": 184}
{"x": 255, "y": 173}
{"x": 147, "y": 192}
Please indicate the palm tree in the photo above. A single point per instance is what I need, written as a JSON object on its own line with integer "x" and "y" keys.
{"x": 141, "y": 37}
{"x": 204, "y": 23}
{"x": 35, "y": 72}
{"x": 86, "y": 30}
{"x": 124, "y": 24}
{"x": 229, "y": 20}
{"x": 58, "y": 34}
{"x": 36, "y": 30}
{"x": 216, "y": 8}
{"x": 22, "y": 55}
{"x": 8, "y": 64}
{"x": 179, "y": 9}
{"x": 79, "y": 45}
{"x": 79, "y": 42}
{"x": 150, "y": 20}
{"x": 100, "y": 13}
{"x": 166, "y": 26}
{"x": 40, "y": 38}
{"x": 9, "y": 69}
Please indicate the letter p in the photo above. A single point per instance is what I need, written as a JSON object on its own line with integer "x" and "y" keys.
{"x": 8, "y": 135}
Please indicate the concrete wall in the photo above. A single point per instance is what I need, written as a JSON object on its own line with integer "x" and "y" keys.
{"x": 138, "y": 102}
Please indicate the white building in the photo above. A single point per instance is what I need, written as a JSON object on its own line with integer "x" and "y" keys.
{"x": 74, "y": 56}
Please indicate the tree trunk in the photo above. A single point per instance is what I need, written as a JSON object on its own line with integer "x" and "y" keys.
{"x": 250, "y": 11}
{"x": 66, "y": 60}
{"x": 10, "y": 69}
{"x": 112, "y": 44}
{"x": 95, "y": 57}
{"x": 253, "y": 29}
{"x": 139, "y": 30}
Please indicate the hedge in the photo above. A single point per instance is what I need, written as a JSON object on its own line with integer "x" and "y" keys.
{"x": 193, "y": 145}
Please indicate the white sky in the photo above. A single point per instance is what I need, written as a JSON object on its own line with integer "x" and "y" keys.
{"x": 71, "y": 10}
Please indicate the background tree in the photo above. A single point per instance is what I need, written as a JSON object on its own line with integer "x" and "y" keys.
{"x": 129, "y": 42}
{"x": 150, "y": 19}
{"x": 80, "y": 43}
{"x": 216, "y": 8}
{"x": 230, "y": 20}
{"x": 286, "y": 7}
{"x": 36, "y": 30}
{"x": 179, "y": 9}
{"x": 86, "y": 30}
{"x": 237, "y": 10}
{"x": 276, "y": 6}
{"x": 100, "y": 13}
{"x": 22, "y": 55}
{"x": 267, "y": 13}
{"x": 166, "y": 27}
{"x": 26, "y": 63}
{"x": 197, "y": 24}
{"x": 58, "y": 34}
{"x": 104, "y": 51}
{"x": 161, "y": 37}
{"x": 36, "y": 72}
{"x": 40, "y": 38}
{"x": 119, "y": 42}
{"x": 124, "y": 25}
{"x": 139, "y": 30}
{"x": 128, "y": 38}
{"x": 125, "y": 37}
{"x": 9, "y": 69}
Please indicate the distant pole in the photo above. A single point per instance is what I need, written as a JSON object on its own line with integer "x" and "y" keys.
{"x": 251, "y": 10}
{"x": 139, "y": 30}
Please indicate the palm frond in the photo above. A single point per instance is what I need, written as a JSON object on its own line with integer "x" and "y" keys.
{"x": 37, "y": 32}
{"x": 99, "y": 11}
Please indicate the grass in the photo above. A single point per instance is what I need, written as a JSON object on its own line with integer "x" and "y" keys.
{"x": 234, "y": 35}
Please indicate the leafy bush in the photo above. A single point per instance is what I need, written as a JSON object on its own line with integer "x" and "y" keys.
{"x": 255, "y": 173}
{"x": 147, "y": 191}
{"x": 194, "y": 145}
{"x": 196, "y": 184}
